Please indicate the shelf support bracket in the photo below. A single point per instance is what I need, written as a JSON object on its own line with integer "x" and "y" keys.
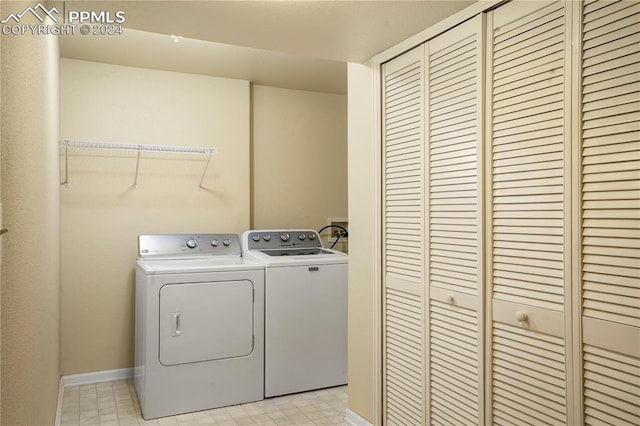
{"x": 135, "y": 179}
{"x": 204, "y": 172}
{"x": 66, "y": 165}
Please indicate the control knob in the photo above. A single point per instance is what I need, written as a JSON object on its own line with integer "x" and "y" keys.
{"x": 214, "y": 243}
{"x": 302, "y": 237}
{"x": 312, "y": 236}
{"x": 255, "y": 238}
{"x": 267, "y": 237}
{"x": 226, "y": 243}
{"x": 191, "y": 243}
{"x": 284, "y": 237}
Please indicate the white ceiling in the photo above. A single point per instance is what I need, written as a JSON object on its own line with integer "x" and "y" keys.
{"x": 299, "y": 44}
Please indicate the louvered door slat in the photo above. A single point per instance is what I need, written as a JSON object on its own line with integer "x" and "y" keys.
{"x": 529, "y": 97}
{"x": 403, "y": 234}
{"x": 459, "y": 379}
{"x": 632, "y": 147}
{"x": 513, "y": 389}
{"x": 510, "y": 365}
{"x": 445, "y": 388}
{"x": 528, "y": 148}
{"x": 623, "y": 28}
{"x": 610, "y": 201}
{"x": 611, "y": 388}
{"x": 622, "y": 80}
{"x": 610, "y": 15}
{"x": 460, "y": 372}
{"x": 523, "y": 45}
{"x": 468, "y": 349}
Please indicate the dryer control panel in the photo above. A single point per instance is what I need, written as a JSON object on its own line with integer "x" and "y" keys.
{"x": 188, "y": 245}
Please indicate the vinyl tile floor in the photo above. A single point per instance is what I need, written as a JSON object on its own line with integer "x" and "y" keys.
{"x": 116, "y": 404}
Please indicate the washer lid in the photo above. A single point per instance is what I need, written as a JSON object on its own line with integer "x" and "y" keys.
{"x": 298, "y": 252}
{"x": 325, "y": 257}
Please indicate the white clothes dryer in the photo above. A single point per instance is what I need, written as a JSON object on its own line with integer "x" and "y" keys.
{"x": 305, "y": 310}
{"x": 199, "y": 337}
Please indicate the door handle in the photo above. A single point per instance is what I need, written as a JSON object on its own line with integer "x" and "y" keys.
{"x": 175, "y": 317}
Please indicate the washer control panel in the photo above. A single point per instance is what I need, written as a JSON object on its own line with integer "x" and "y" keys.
{"x": 278, "y": 239}
{"x": 178, "y": 245}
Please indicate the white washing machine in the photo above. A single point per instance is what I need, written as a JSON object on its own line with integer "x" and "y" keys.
{"x": 199, "y": 337}
{"x": 305, "y": 310}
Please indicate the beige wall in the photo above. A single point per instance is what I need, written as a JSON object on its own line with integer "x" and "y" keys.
{"x": 31, "y": 210}
{"x": 102, "y": 214}
{"x": 362, "y": 256}
{"x": 1, "y": 223}
{"x": 299, "y": 158}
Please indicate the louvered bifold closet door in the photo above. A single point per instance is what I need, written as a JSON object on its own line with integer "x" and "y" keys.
{"x": 528, "y": 259}
{"x": 610, "y": 198}
{"x": 403, "y": 240}
{"x": 454, "y": 130}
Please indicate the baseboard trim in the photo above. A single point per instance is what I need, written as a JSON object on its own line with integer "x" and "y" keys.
{"x": 97, "y": 377}
{"x": 59, "y": 406}
{"x": 86, "y": 379}
{"x": 354, "y": 419}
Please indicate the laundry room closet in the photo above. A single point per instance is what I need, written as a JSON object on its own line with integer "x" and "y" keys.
{"x": 510, "y": 209}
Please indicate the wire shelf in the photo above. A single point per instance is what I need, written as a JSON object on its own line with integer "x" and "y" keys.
{"x": 115, "y": 146}
{"x": 70, "y": 144}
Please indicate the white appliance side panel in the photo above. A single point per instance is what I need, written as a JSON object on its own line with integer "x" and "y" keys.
{"x": 140, "y": 332}
{"x": 305, "y": 328}
{"x": 206, "y": 321}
